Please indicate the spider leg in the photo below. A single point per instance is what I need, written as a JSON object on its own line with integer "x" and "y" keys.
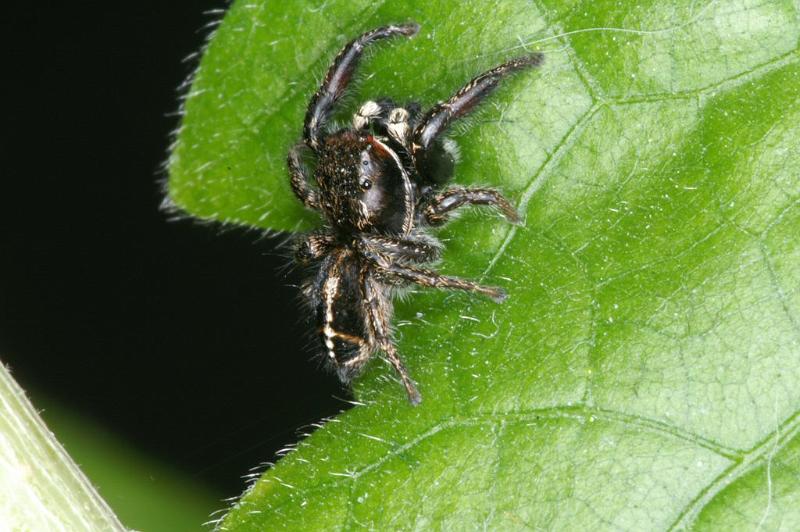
{"x": 436, "y": 211}
{"x": 436, "y": 121}
{"x": 432, "y": 279}
{"x": 313, "y": 246}
{"x": 338, "y": 77}
{"x": 298, "y": 178}
{"x": 414, "y": 250}
{"x": 378, "y": 311}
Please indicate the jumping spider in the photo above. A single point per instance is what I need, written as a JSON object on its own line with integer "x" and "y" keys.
{"x": 379, "y": 186}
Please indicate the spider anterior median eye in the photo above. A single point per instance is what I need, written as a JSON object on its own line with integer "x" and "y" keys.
{"x": 366, "y": 184}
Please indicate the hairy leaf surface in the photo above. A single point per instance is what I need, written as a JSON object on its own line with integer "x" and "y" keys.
{"x": 645, "y": 371}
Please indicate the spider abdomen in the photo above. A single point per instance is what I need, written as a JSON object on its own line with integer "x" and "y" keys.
{"x": 340, "y": 315}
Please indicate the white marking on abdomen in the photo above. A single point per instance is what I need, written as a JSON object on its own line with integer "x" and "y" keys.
{"x": 329, "y": 291}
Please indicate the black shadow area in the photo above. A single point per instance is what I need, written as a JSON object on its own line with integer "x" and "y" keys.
{"x": 184, "y": 340}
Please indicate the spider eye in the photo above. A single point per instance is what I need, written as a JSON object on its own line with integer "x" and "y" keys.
{"x": 366, "y": 184}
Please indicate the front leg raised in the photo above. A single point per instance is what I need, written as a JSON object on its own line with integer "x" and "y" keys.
{"x": 437, "y": 120}
{"x": 339, "y": 76}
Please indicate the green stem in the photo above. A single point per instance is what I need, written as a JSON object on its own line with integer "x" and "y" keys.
{"x": 41, "y": 487}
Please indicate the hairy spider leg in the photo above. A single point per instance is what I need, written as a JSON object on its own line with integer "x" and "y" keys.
{"x": 432, "y": 279}
{"x": 415, "y": 250}
{"x": 439, "y": 117}
{"x": 298, "y": 178}
{"x": 379, "y": 313}
{"x": 339, "y": 76}
{"x": 437, "y": 209}
{"x": 313, "y": 246}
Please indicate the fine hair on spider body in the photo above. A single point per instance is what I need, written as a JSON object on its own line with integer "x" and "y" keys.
{"x": 380, "y": 185}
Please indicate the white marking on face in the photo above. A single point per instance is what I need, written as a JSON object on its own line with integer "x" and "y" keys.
{"x": 397, "y": 115}
{"x": 370, "y": 108}
{"x": 367, "y": 112}
{"x": 398, "y": 127}
{"x": 400, "y": 132}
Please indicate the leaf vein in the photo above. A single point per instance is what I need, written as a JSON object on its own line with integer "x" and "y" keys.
{"x": 540, "y": 176}
{"x": 772, "y": 442}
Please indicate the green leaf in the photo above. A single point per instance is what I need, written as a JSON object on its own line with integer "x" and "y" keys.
{"x": 645, "y": 371}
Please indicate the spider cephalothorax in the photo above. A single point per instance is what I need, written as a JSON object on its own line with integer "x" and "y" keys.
{"x": 363, "y": 185}
{"x": 379, "y": 186}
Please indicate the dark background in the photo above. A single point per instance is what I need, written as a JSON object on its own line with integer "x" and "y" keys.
{"x": 185, "y": 340}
